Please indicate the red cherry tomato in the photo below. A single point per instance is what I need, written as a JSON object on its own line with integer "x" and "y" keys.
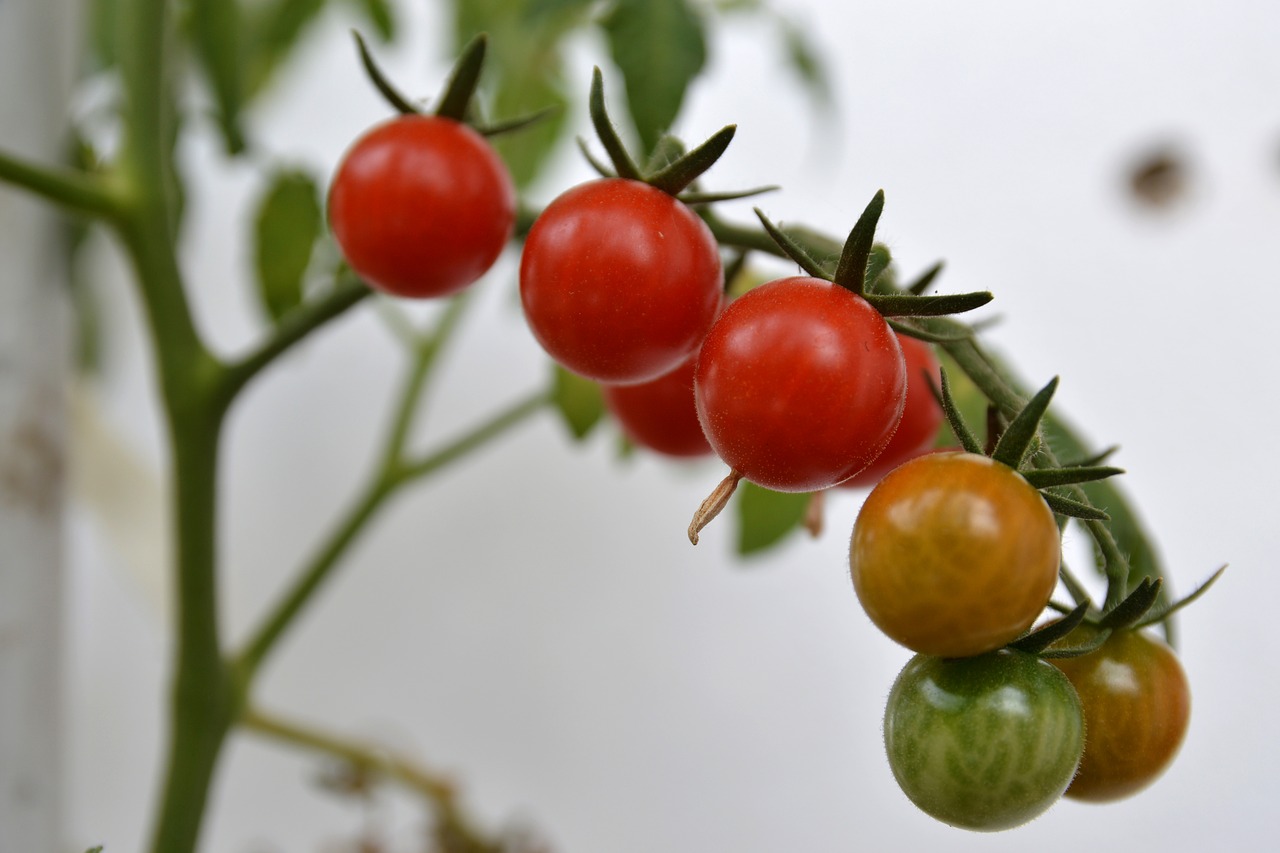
{"x": 421, "y": 206}
{"x": 800, "y": 384}
{"x": 921, "y": 416}
{"x": 620, "y": 281}
{"x": 660, "y": 414}
{"x": 1137, "y": 706}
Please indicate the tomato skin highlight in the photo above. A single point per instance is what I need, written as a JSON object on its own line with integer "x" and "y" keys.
{"x": 921, "y": 415}
{"x": 620, "y": 281}
{"x": 421, "y": 206}
{"x": 954, "y": 554}
{"x": 800, "y": 384}
{"x": 660, "y": 414}
{"x": 1137, "y": 705}
{"x": 984, "y": 743}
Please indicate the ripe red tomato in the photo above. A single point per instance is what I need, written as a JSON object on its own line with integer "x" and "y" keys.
{"x": 660, "y": 414}
{"x": 1137, "y": 706}
{"x": 800, "y": 384}
{"x": 921, "y": 416}
{"x": 984, "y": 743}
{"x": 954, "y": 554}
{"x": 421, "y": 206}
{"x": 620, "y": 281}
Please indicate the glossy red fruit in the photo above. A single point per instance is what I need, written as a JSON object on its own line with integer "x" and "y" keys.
{"x": 421, "y": 206}
{"x": 660, "y": 414}
{"x": 800, "y": 384}
{"x": 921, "y": 416}
{"x": 620, "y": 281}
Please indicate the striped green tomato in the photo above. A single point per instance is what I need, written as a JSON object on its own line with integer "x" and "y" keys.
{"x": 984, "y": 743}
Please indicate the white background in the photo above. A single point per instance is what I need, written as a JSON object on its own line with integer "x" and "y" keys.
{"x": 536, "y": 622}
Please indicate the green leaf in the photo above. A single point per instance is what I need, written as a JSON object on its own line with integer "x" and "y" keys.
{"x": 579, "y": 402}
{"x": 791, "y": 247}
{"x": 660, "y": 47}
{"x": 1042, "y": 478}
{"x": 955, "y": 417}
{"x": 381, "y": 15}
{"x": 288, "y": 223}
{"x": 805, "y": 59}
{"x": 674, "y": 178}
{"x": 271, "y": 31}
{"x": 903, "y": 305}
{"x": 1073, "y": 509}
{"x": 216, "y": 32}
{"x": 455, "y": 103}
{"x": 524, "y": 73}
{"x": 386, "y": 89}
{"x": 765, "y": 517}
{"x": 535, "y": 9}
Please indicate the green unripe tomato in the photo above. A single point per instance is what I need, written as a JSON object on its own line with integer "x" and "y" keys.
{"x": 984, "y": 743}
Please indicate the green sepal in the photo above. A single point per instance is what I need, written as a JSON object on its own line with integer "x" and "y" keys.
{"x": 607, "y": 133}
{"x": 913, "y": 331}
{"x": 955, "y": 420}
{"x": 905, "y": 305}
{"x": 1159, "y": 614}
{"x": 792, "y": 249}
{"x": 579, "y": 402}
{"x": 1073, "y": 509}
{"x": 288, "y": 223}
{"x": 765, "y": 517}
{"x": 668, "y": 150}
{"x": 921, "y": 284}
{"x": 380, "y": 82}
{"x": 1134, "y": 606}
{"x": 1024, "y": 428}
{"x": 692, "y": 198}
{"x": 1043, "y": 478}
{"x": 380, "y": 14}
{"x": 463, "y": 80}
{"x": 851, "y": 271}
{"x": 1086, "y": 648}
{"x": 515, "y": 125}
{"x": 877, "y": 262}
{"x": 675, "y": 177}
{"x": 1040, "y": 639}
{"x": 600, "y": 168}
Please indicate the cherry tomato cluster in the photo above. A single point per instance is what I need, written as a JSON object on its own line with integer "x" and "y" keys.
{"x": 799, "y": 385}
{"x": 955, "y": 556}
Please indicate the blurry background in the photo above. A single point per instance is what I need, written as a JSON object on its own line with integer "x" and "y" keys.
{"x": 535, "y": 620}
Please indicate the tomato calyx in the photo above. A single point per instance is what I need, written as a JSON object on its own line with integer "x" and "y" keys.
{"x": 854, "y": 268}
{"x": 456, "y": 102}
{"x": 671, "y": 168}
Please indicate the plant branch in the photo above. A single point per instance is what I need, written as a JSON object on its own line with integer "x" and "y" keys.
{"x": 347, "y": 292}
{"x": 76, "y": 191}
{"x": 389, "y": 478}
{"x": 371, "y": 758}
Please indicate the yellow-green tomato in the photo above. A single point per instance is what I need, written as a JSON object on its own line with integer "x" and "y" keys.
{"x": 954, "y": 554}
{"x": 984, "y": 743}
{"x": 1137, "y": 705}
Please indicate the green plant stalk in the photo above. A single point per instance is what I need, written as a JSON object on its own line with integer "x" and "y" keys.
{"x": 202, "y": 698}
{"x": 370, "y": 758}
{"x": 73, "y": 190}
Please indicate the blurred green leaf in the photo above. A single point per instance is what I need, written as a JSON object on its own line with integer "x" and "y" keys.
{"x": 271, "y": 30}
{"x": 215, "y": 26}
{"x": 103, "y": 26}
{"x": 579, "y": 402}
{"x": 381, "y": 14}
{"x": 289, "y": 222}
{"x": 524, "y": 73}
{"x": 535, "y": 9}
{"x": 805, "y": 59}
{"x": 660, "y": 47}
{"x": 765, "y": 517}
